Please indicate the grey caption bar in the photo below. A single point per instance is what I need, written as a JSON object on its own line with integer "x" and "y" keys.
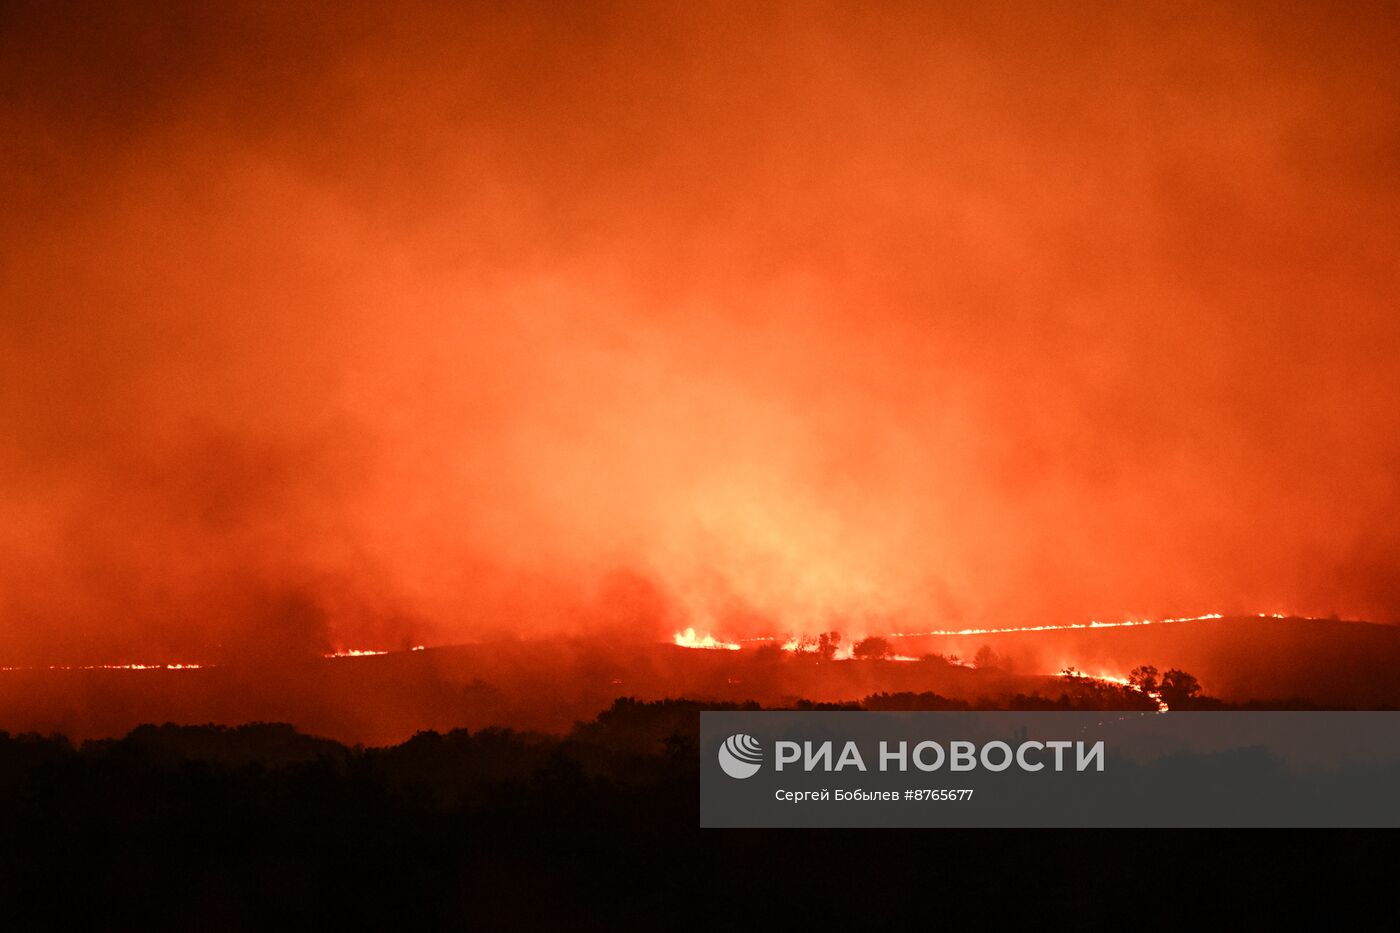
{"x": 1049, "y": 769}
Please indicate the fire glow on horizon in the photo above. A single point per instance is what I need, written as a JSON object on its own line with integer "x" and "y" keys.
{"x": 689, "y": 639}
{"x": 108, "y": 667}
{"x": 797, "y": 645}
{"x": 189, "y": 666}
{"x": 365, "y": 652}
{"x": 897, "y": 332}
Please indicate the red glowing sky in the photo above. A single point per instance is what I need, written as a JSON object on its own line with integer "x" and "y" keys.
{"x": 386, "y": 324}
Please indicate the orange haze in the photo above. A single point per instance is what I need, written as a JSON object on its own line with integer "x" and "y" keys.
{"x": 329, "y": 326}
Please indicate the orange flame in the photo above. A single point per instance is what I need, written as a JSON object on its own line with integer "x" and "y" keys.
{"x": 688, "y": 639}
{"x": 1119, "y": 681}
{"x": 108, "y": 667}
{"x": 1065, "y": 627}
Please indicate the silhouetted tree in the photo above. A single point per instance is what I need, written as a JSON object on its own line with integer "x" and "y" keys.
{"x": 1178, "y": 688}
{"x": 823, "y": 646}
{"x": 1144, "y": 678}
{"x": 871, "y": 648}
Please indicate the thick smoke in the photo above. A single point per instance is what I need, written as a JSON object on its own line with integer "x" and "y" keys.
{"x": 383, "y": 324}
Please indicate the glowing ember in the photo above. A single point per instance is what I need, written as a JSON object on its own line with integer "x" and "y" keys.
{"x": 355, "y": 653}
{"x": 688, "y": 639}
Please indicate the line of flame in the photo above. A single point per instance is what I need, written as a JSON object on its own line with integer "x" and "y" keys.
{"x": 180, "y": 665}
{"x": 1153, "y": 695}
{"x": 107, "y": 667}
{"x": 1067, "y": 626}
{"x": 688, "y": 639}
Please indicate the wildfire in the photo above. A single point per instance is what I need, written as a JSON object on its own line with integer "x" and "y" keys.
{"x": 835, "y": 651}
{"x": 108, "y": 667}
{"x": 795, "y": 643}
{"x": 1066, "y": 627}
{"x": 184, "y": 665}
{"x": 1116, "y": 680}
{"x": 688, "y": 639}
{"x": 365, "y": 652}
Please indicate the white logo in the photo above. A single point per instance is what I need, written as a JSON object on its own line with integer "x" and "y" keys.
{"x": 740, "y": 756}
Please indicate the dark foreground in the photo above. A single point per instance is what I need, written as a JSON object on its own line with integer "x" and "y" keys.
{"x": 213, "y": 828}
